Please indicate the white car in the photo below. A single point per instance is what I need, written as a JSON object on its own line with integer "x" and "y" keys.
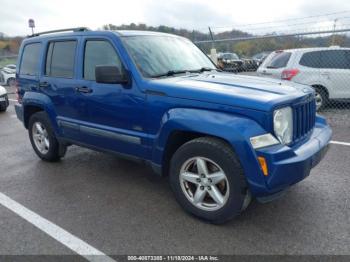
{"x": 326, "y": 69}
{"x": 8, "y": 75}
{"x": 4, "y": 101}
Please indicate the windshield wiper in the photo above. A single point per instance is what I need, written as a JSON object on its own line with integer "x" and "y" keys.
{"x": 201, "y": 70}
{"x": 175, "y": 72}
{"x": 170, "y": 73}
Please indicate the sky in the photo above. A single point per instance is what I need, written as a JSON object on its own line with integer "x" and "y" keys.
{"x": 190, "y": 14}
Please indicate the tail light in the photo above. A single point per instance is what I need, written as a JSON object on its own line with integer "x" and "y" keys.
{"x": 18, "y": 97}
{"x": 288, "y": 74}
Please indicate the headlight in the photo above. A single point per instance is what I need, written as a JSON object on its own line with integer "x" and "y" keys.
{"x": 283, "y": 124}
{"x": 263, "y": 141}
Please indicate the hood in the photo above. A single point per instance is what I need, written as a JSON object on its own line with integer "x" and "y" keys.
{"x": 235, "y": 90}
{"x": 2, "y": 90}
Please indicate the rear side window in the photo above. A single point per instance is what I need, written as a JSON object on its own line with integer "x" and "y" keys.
{"x": 335, "y": 59}
{"x": 98, "y": 52}
{"x": 30, "y": 59}
{"x": 311, "y": 59}
{"x": 60, "y": 59}
{"x": 279, "y": 60}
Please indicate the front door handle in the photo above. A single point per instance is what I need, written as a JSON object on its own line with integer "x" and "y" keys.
{"x": 84, "y": 89}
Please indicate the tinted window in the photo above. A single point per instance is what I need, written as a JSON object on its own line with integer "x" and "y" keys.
{"x": 98, "y": 53}
{"x": 279, "y": 60}
{"x": 60, "y": 59}
{"x": 311, "y": 59}
{"x": 336, "y": 59}
{"x": 30, "y": 59}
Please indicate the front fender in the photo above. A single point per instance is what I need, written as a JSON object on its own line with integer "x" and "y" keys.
{"x": 234, "y": 129}
{"x": 42, "y": 101}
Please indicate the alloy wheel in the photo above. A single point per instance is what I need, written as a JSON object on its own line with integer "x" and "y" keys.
{"x": 204, "y": 183}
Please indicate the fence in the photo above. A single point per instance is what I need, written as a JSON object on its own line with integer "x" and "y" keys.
{"x": 7, "y": 69}
{"x": 318, "y": 58}
{"x": 322, "y": 61}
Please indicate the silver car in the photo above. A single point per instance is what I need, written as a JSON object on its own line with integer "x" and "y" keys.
{"x": 326, "y": 69}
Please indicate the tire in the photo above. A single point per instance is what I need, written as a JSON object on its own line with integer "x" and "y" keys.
{"x": 321, "y": 98}
{"x": 219, "y": 157}
{"x": 3, "y": 108}
{"x": 11, "y": 82}
{"x": 52, "y": 151}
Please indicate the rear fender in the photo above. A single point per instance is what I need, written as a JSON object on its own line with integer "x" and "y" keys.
{"x": 41, "y": 101}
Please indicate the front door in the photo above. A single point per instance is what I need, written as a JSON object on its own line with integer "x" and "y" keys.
{"x": 116, "y": 112}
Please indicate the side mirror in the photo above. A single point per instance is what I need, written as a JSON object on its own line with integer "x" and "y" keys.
{"x": 110, "y": 74}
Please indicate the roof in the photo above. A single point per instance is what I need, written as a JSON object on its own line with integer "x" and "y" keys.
{"x": 138, "y": 32}
{"x": 82, "y": 31}
{"x": 307, "y": 49}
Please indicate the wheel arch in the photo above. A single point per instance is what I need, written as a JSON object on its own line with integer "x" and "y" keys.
{"x": 321, "y": 87}
{"x": 176, "y": 139}
{"x": 28, "y": 111}
{"x": 35, "y": 102}
{"x": 182, "y": 125}
{"x": 9, "y": 79}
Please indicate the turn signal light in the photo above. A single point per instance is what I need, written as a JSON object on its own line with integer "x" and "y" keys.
{"x": 263, "y": 165}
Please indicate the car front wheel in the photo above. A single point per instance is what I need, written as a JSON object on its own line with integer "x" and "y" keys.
{"x": 208, "y": 180}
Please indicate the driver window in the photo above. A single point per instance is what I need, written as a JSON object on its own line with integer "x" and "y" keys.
{"x": 98, "y": 52}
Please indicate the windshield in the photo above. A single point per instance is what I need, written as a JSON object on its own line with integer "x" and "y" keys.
{"x": 158, "y": 55}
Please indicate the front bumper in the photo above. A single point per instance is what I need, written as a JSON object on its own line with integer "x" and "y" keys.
{"x": 289, "y": 165}
{"x": 4, "y": 101}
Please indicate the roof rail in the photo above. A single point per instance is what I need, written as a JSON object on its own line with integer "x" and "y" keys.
{"x": 75, "y": 29}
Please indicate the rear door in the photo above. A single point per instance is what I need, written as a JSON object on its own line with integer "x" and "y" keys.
{"x": 335, "y": 72}
{"x": 309, "y": 68}
{"x": 274, "y": 65}
{"x": 59, "y": 83}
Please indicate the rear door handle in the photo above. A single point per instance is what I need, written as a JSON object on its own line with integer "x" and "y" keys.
{"x": 84, "y": 89}
{"x": 43, "y": 84}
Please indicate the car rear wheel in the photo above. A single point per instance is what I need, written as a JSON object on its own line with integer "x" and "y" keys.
{"x": 42, "y": 137}
{"x": 11, "y": 82}
{"x": 320, "y": 98}
{"x": 208, "y": 180}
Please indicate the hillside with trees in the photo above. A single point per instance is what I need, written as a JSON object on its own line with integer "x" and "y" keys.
{"x": 245, "y": 48}
{"x": 9, "y": 45}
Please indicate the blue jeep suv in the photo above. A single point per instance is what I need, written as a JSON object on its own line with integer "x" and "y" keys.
{"x": 221, "y": 138}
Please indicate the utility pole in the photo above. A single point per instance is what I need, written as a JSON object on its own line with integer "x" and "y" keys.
{"x": 212, "y": 37}
{"x": 334, "y": 26}
{"x": 213, "y": 54}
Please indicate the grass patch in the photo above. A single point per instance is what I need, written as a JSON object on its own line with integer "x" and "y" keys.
{"x": 6, "y": 61}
